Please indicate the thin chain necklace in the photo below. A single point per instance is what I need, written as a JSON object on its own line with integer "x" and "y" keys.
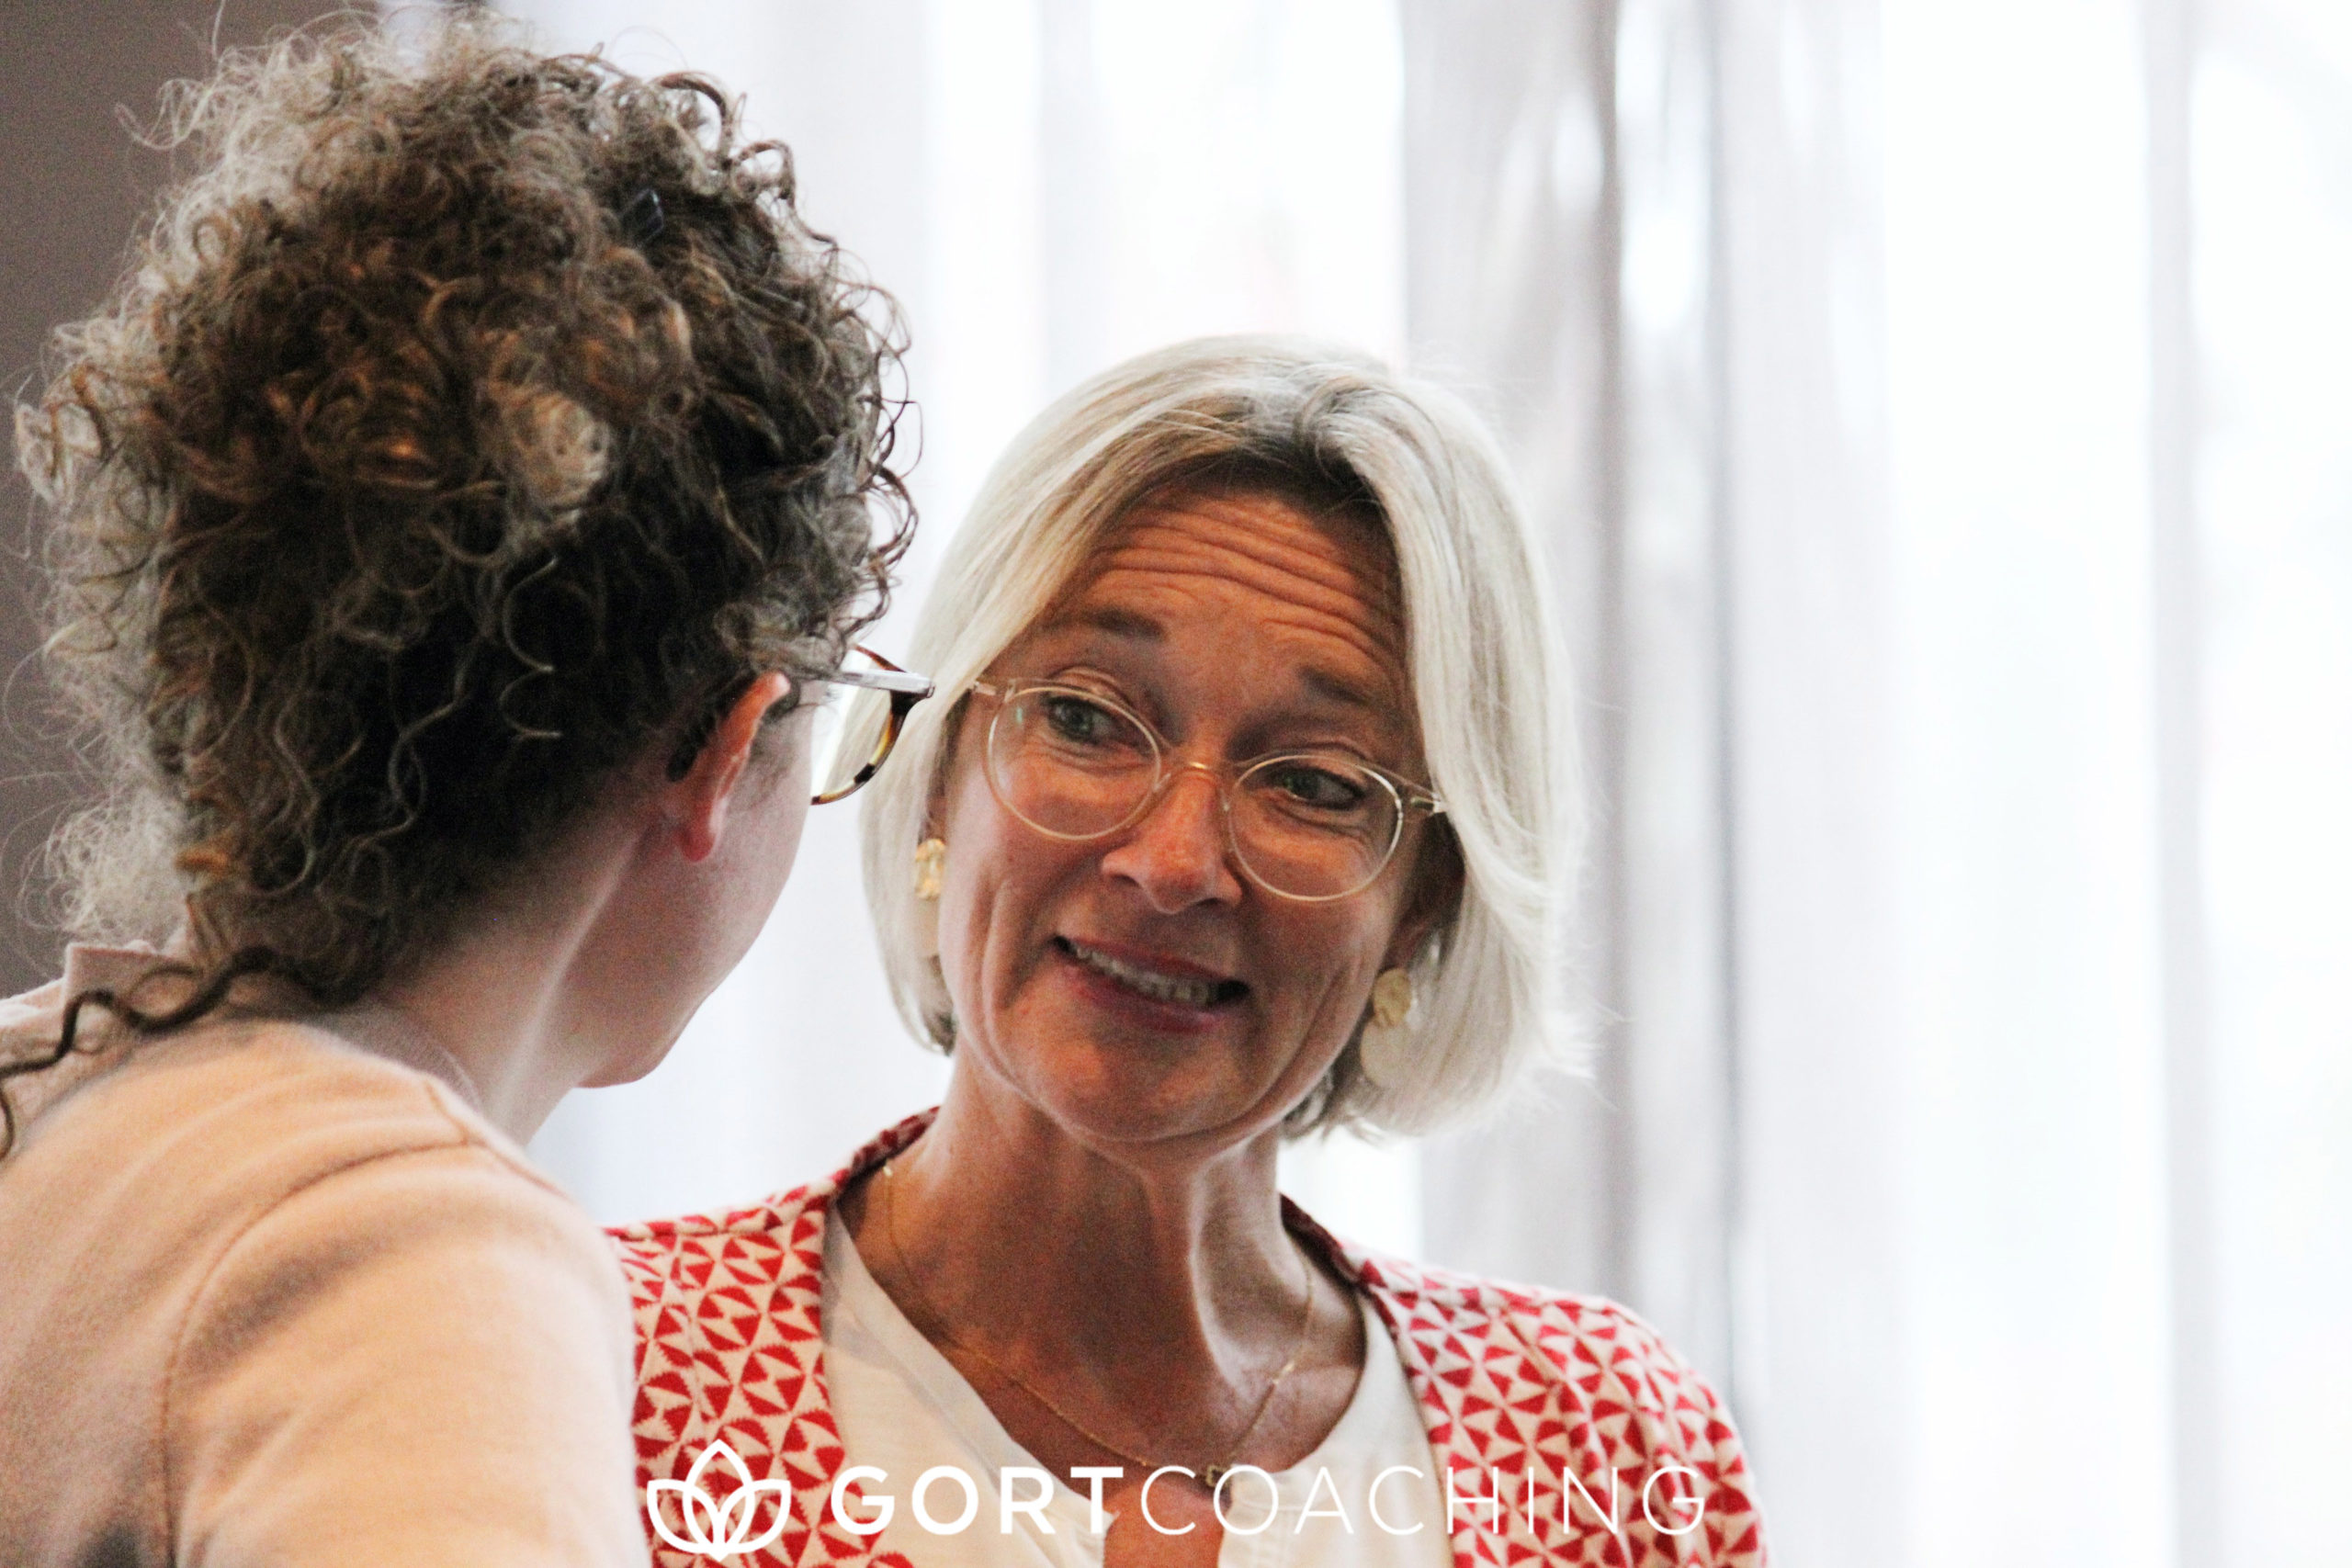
{"x": 1210, "y": 1473}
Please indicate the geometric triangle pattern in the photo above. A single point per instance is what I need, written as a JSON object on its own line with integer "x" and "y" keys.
{"x": 1517, "y": 1387}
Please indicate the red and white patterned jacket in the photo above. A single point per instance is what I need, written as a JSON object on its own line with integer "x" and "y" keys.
{"x": 1509, "y": 1378}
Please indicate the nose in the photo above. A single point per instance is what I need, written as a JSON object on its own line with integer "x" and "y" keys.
{"x": 1176, "y": 852}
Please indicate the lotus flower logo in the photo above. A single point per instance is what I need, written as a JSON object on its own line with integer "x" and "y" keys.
{"x": 714, "y": 1528}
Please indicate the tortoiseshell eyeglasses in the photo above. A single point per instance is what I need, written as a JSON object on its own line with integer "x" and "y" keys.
{"x": 865, "y": 670}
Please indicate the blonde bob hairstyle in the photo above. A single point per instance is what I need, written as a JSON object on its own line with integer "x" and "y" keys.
{"x": 1488, "y": 676}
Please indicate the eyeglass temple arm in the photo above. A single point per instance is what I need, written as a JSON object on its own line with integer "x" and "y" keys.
{"x": 888, "y": 678}
{"x": 894, "y": 681}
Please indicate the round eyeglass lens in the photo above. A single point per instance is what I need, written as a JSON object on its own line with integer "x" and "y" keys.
{"x": 1314, "y": 825}
{"x": 1068, "y": 764}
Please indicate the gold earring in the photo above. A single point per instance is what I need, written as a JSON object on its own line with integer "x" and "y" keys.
{"x": 930, "y": 864}
{"x": 1380, "y": 1047}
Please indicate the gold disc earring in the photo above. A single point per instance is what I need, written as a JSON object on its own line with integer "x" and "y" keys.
{"x": 1380, "y": 1049}
{"x": 930, "y": 864}
{"x": 931, "y": 870}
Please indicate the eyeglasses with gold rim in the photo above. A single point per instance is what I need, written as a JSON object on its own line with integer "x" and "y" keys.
{"x": 1309, "y": 825}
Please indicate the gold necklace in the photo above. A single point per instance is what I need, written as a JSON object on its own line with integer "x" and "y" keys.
{"x": 1210, "y": 1473}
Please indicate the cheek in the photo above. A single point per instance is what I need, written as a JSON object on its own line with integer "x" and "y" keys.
{"x": 789, "y": 819}
{"x": 1322, "y": 972}
{"x": 765, "y": 817}
{"x": 784, "y": 795}
{"x": 988, "y": 893}
{"x": 1329, "y": 968}
{"x": 768, "y": 844}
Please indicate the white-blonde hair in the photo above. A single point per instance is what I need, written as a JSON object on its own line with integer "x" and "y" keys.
{"x": 1488, "y": 676}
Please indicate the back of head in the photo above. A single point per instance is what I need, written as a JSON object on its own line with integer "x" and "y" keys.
{"x": 469, "y": 423}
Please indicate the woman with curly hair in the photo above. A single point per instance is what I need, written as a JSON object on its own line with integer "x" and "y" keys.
{"x": 454, "y": 513}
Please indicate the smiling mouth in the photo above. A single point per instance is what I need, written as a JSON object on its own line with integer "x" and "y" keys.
{"x": 1174, "y": 989}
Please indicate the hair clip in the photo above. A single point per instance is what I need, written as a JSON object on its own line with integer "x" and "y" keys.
{"x": 641, "y": 219}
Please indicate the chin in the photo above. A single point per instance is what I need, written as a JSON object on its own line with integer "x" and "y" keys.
{"x": 1103, "y": 1088}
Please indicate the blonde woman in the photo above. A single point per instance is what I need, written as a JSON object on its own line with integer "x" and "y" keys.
{"x": 454, "y": 512}
{"x": 1245, "y": 815}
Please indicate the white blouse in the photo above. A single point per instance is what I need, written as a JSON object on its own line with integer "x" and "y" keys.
{"x": 1367, "y": 1496}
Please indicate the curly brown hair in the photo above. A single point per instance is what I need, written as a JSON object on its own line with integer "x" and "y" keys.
{"x": 469, "y": 422}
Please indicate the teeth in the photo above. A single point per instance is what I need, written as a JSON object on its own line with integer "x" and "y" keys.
{"x": 1150, "y": 982}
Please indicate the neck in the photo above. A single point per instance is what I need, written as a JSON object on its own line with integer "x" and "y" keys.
{"x": 514, "y": 994}
{"x": 1173, "y": 1270}
{"x": 1111, "y": 1304}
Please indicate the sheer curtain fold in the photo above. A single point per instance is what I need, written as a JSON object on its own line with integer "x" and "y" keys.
{"x": 1510, "y": 288}
{"x": 1809, "y": 719}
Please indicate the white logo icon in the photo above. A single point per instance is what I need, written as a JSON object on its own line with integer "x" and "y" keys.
{"x": 714, "y": 1528}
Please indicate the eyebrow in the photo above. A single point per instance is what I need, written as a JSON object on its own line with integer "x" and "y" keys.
{"x": 1339, "y": 691}
{"x": 1122, "y": 623}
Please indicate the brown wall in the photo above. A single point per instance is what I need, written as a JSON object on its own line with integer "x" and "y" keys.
{"x": 73, "y": 188}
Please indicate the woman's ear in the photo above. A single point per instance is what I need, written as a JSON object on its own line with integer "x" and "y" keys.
{"x": 697, "y": 801}
{"x": 1439, "y": 878}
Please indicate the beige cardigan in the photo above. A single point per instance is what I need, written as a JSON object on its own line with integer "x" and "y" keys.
{"x": 274, "y": 1292}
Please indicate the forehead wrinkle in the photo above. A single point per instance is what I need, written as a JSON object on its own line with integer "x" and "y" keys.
{"x": 1165, "y": 562}
{"x": 1311, "y": 575}
{"x": 1322, "y": 581}
{"x": 1324, "y": 615}
{"x": 1338, "y": 602}
{"x": 1307, "y": 574}
{"x": 1213, "y": 526}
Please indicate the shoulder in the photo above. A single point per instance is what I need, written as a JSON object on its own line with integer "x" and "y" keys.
{"x": 723, "y": 1249}
{"x": 249, "y": 1142}
{"x": 219, "y": 1169}
{"x": 353, "y": 1134}
{"x": 726, "y": 1307}
{"x": 729, "y": 1276}
{"x": 1591, "y": 1342}
{"x": 252, "y": 1110}
{"x": 308, "y": 1258}
{"x": 243, "y": 1074}
{"x": 1511, "y": 1375}
{"x": 740, "y": 1252}
{"x": 729, "y": 1308}
{"x": 402, "y": 1303}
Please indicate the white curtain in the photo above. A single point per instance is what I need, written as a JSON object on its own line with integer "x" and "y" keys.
{"x": 1939, "y": 415}
{"x": 2040, "y": 534}
{"x": 2269, "y": 166}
